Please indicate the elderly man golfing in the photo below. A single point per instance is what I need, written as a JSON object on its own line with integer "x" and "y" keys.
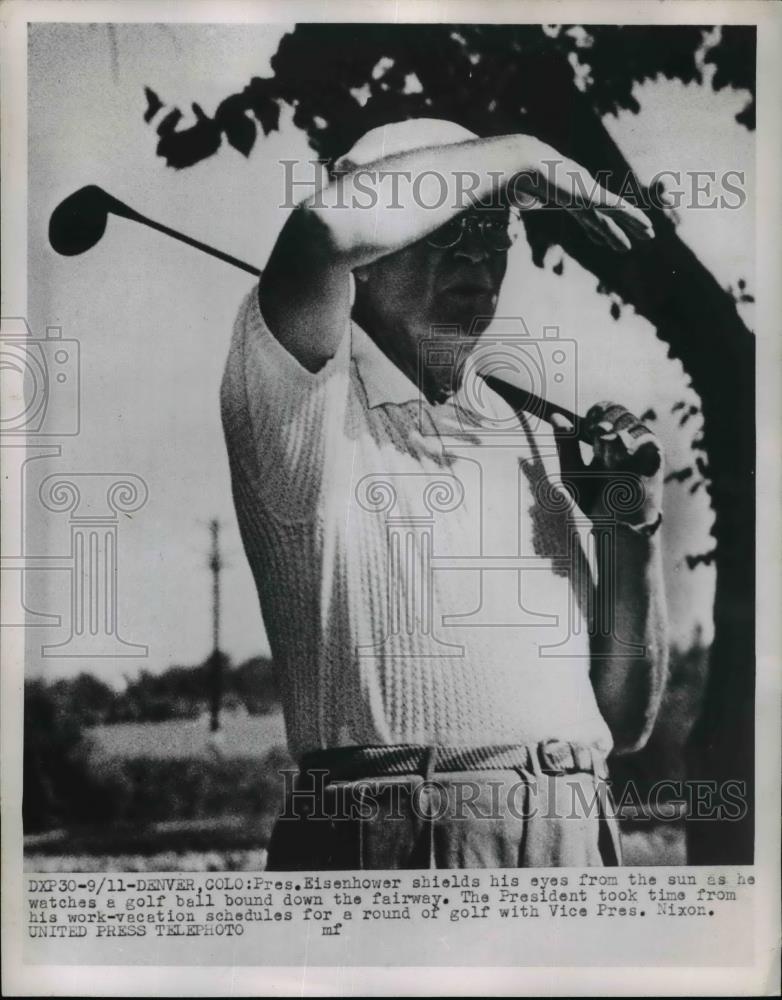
{"x": 463, "y": 624}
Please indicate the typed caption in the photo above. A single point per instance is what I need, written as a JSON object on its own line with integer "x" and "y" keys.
{"x": 103, "y": 912}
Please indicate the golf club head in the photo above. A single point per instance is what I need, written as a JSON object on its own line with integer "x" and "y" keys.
{"x": 79, "y": 221}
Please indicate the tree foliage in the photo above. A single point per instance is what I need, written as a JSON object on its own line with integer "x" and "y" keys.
{"x": 341, "y": 80}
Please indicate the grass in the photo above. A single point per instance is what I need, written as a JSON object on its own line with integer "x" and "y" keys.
{"x": 241, "y": 736}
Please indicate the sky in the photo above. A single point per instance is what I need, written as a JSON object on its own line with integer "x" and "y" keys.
{"x": 153, "y": 319}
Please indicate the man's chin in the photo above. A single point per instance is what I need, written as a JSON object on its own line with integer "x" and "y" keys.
{"x": 443, "y": 382}
{"x": 471, "y": 314}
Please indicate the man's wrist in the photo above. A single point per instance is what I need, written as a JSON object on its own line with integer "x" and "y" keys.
{"x": 532, "y": 154}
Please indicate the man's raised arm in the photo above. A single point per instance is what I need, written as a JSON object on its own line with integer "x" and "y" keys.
{"x": 387, "y": 203}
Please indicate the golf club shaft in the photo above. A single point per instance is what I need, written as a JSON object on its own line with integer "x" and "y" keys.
{"x": 523, "y": 399}
{"x": 130, "y": 213}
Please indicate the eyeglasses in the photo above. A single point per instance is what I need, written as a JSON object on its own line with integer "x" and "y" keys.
{"x": 495, "y": 228}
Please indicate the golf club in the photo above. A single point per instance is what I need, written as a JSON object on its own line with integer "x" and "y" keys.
{"x": 79, "y": 222}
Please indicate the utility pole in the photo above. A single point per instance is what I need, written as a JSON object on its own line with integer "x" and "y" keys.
{"x": 216, "y": 658}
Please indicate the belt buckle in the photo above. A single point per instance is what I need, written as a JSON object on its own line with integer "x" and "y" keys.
{"x": 555, "y": 756}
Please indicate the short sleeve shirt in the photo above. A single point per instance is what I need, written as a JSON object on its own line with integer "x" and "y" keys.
{"x": 421, "y": 577}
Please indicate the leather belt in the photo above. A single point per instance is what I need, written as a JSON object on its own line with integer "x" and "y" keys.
{"x": 554, "y": 757}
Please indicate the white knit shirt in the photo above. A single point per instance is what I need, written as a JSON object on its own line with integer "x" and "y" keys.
{"x": 418, "y": 579}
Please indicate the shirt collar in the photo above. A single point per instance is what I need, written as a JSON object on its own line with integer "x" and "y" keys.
{"x": 382, "y": 380}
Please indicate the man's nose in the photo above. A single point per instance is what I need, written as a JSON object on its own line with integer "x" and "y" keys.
{"x": 471, "y": 247}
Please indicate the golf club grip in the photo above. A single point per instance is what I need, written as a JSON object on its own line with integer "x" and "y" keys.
{"x": 644, "y": 462}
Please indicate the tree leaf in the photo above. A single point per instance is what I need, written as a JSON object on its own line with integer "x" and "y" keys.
{"x": 239, "y": 129}
{"x": 702, "y": 559}
{"x": 734, "y": 58}
{"x": 154, "y": 104}
{"x": 679, "y": 475}
{"x": 262, "y": 104}
{"x": 170, "y": 122}
{"x": 240, "y": 133}
{"x": 191, "y": 145}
